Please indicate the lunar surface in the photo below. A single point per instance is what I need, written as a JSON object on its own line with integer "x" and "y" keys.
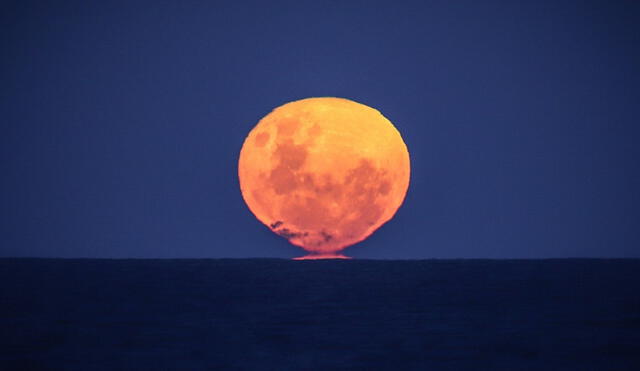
{"x": 324, "y": 173}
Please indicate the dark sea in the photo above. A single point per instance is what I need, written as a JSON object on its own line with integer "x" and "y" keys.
{"x": 272, "y": 314}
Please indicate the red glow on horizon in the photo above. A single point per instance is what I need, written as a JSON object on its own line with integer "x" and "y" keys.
{"x": 321, "y": 256}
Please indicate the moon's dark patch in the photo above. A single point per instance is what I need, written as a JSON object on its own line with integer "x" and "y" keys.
{"x": 326, "y": 236}
{"x": 287, "y": 126}
{"x": 288, "y": 234}
{"x": 276, "y": 224}
{"x": 262, "y": 139}
{"x": 284, "y": 177}
{"x": 384, "y": 187}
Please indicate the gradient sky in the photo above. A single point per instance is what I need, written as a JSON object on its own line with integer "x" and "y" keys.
{"x": 123, "y": 122}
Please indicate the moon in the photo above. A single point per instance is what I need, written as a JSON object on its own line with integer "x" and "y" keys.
{"x": 324, "y": 173}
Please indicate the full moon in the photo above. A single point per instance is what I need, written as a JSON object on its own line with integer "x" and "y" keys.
{"x": 324, "y": 173}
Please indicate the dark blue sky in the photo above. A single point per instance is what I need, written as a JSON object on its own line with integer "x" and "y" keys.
{"x": 123, "y": 121}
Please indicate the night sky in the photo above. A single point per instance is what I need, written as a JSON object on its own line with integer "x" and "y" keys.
{"x": 122, "y": 122}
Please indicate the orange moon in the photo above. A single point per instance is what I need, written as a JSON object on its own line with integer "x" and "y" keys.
{"x": 324, "y": 173}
